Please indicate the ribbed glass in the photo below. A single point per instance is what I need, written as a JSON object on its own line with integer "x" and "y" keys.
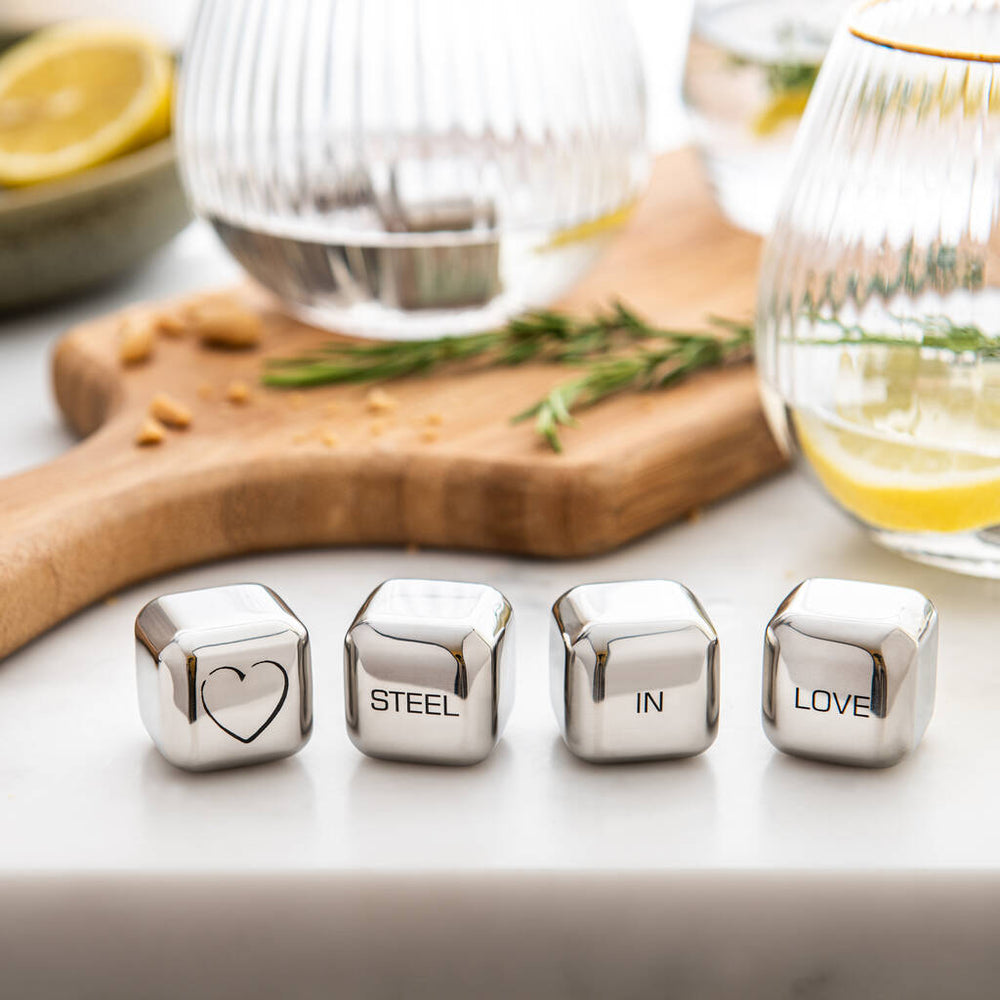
{"x": 878, "y": 311}
{"x": 751, "y": 65}
{"x": 412, "y": 167}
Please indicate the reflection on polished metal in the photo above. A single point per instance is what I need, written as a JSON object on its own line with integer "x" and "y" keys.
{"x": 224, "y": 677}
{"x": 849, "y": 672}
{"x": 427, "y": 673}
{"x": 634, "y": 671}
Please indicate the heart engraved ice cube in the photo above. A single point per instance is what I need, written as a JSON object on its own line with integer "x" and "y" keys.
{"x": 224, "y": 677}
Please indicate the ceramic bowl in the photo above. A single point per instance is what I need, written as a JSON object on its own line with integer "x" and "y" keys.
{"x": 65, "y": 236}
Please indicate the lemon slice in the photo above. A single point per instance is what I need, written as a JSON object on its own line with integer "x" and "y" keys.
{"x": 782, "y": 108}
{"x": 900, "y": 486}
{"x": 600, "y": 226}
{"x": 76, "y": 95}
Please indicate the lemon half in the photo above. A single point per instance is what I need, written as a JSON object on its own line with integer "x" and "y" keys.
{"x": 899, "y": 486}
{"x": 79, "y": 94}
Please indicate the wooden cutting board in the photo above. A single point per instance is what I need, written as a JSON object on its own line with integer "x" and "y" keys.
{"x": 259, "y": 476}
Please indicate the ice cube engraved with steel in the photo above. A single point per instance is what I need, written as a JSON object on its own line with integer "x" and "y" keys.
{"x": 849, "y": 672}
{"x": 427, "y": 673}
{"x": 634, "y": 671}
{"x": 223, "y": 677}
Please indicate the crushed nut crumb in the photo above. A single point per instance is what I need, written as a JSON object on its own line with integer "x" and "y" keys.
{"x": 238, "y": 392}
{"x": 135, "y": 340}
{"x": 150, "y": 432}
{"x": 223, "y": 323}
{"x": 379, "y": 401}
{"x": 329, "y": 439}
{"x": 205, "y": 391}
{"x": 379, "y": 427}
{"x": 429, "y": 435}
{"x": 434, "y": 419}
{"x": 170, "y": 324}
{"x": 169, "y": 411}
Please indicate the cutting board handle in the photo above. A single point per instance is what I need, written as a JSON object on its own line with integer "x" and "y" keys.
{"x": 71, "y": 532}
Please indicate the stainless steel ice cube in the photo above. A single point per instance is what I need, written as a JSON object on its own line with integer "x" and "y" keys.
{"x": 223, "y": 676}
{"x": 849, "y": 672}
{"x": 634, "y": 671}
{"x": 427, "y": 671}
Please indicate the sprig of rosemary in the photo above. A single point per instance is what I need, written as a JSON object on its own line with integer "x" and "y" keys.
{"x": 782, "y": 77}
{"x": 793, "y": 77}
{"x": 937, "y": 332}
{"x": 681, "y": 355}
{"x": 617, "y": 349}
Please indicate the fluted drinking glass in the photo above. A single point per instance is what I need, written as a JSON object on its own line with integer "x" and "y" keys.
{"x": 878, "y": 334}
{"x": 751, "y": 66}
{"x": 408, "y": 168}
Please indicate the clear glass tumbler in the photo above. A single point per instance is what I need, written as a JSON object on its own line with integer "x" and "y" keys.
{"x": 879, "y": 302}
{"x": 751, "y": 66}
{"x": 410, "y": 168}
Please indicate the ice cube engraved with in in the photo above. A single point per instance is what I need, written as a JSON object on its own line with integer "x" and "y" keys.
{"x": 634, "y": 671}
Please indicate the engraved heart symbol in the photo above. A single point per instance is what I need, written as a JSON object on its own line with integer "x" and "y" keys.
{"x": 237, "y": 700}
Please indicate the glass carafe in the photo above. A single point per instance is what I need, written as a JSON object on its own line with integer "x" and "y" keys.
{"x": 410, "y": 168}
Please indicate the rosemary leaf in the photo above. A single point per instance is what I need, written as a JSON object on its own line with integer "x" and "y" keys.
{"x": 680, "y": 355}
{"x": 617, "y": 349}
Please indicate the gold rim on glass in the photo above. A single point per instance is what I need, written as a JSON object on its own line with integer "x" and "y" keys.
{"x": 923, "y": 50}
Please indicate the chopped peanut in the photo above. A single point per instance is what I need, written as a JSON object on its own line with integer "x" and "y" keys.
{"x": 238, "y": 392}
{"x": 170, "y": 324}
{"x": 150, "y": 432}
{"x": 434, "y": 419}
{"x": 135, "y": 340}
{"x": 329, "y": 439}
{"x": 429, "y": 435}
{"x": 379, "y": 401}
{"x": 205, "y": 391}
{"x": 169, "y": 411}
{"x": 223, "y": 323}
{"x": 379, "y": 427}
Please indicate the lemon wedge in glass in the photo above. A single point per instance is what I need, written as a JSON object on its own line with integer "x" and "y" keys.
{"x": 78, "y": 94}
{"x": 901, "y": 486}
{"x": 780, "y": 109}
